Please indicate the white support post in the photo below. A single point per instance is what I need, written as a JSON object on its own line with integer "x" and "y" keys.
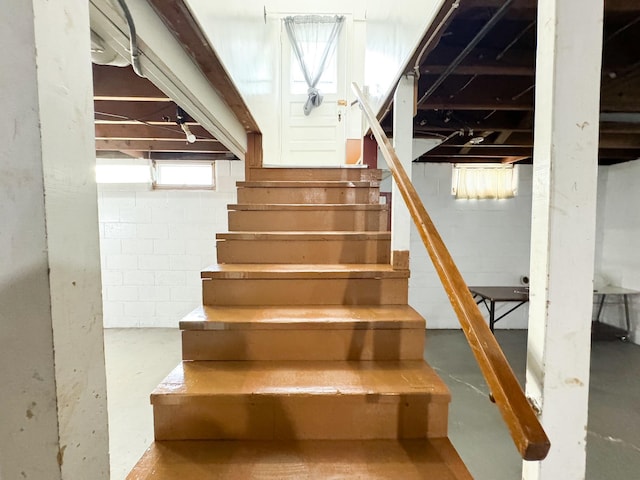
{"x": 563, "y": 229}
{"x": 53, "y": 420}
{"x": 403, "y": 102}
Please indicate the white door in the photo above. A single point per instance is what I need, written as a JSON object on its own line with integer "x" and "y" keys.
{"x": 319, "y": 138}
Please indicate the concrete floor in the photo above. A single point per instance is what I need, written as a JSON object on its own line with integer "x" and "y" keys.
{"x": 138, "y": 359}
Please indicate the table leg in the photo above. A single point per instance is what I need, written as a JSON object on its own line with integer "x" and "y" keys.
{"x": 492, "y": 315}
{"x": 600, "y": 307}
{"x": 626, "y": 315}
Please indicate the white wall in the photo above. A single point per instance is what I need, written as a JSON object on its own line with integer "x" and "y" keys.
{"x": 249, "y": 48}
{"x": 618, "y": 259}
{"x": 242, "y": 27}
{"x": 381, "y": 37}
{"x": 488, "y": 239}
{"x": 394, "y": 30}
{"x": 154, "y": 243}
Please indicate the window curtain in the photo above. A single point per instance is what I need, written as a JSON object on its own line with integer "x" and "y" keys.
{"x": 489, "y": 182}
{"x": 314, "y": 39}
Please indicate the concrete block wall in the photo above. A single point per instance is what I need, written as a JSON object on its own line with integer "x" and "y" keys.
{"x": 488, "y": 239}
{"x": 618, "y": 255}
{"x": 154, "y": 243}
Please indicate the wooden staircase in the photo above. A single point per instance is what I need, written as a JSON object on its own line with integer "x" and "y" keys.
{"x": 304, "y": 361}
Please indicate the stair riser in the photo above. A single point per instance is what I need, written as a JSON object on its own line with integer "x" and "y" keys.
{"x": 332, "y": 291}
{"x": 432, "y": 459}
{"x": 263, "y": 195}
{"x": 307, "y": 221}
{"x": 360, "y": 344}
{"x": 304, "y": 251}
{"x": 329, "y": 417}
{"x": 315, "y": 174}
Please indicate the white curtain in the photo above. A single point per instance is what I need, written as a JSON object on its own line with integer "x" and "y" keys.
{"x": 485, "y": 182}
{"x": 313, "y": 39}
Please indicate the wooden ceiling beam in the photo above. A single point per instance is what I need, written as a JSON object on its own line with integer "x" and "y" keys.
{"x": 190, "y": 156}
{"x": 149, "y": 122}
{"x": 517, "y": 61}
{"x": 619, "y": 141}
{"x": 483, "y": 69}
{"x": 205, "y": 146}
{"x": 169, "y": 156}
{"x": 134, "y": 131}
{"x": 620, "y": 153}
{"x": 515, "y": 56}
{"x": 610, "y": 5}
{"x": 451, "y": 127}
{"x": 606, "y": 141}
{"x": 110, "y": 154}
{"x": 621, "y": 6}
{"x": 474, "y": 151}
{"x": 519, "y": 151}
{"x": 122, "y": 82}
{"x": 505, "y": 126}
{"x": 141, "y": 111}
{"x": 613, "y": 141}
{"x": 465, "y": 159}
{"x": 621, "y": 103}
{"x": 445, "y": 103}
{"x": 614, "y": 127}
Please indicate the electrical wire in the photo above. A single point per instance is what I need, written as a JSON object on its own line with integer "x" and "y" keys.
{"x": 124, "y": 117}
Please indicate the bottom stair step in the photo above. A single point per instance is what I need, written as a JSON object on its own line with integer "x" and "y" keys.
{"x": 433, "y": 459}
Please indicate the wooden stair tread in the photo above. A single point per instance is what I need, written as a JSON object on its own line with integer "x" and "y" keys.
{"x": 390, "y": 379}
{"x": 307, "y": 317}
{"x": 430, "y": 459}
{"x": 314, "y": 173}
{"x": 315, "y": 271}
{"x": 307, "y": 207}
{"x": 314, "y": 235}
{"x": 306, "y": 184}
{"x": 286, "y": 379}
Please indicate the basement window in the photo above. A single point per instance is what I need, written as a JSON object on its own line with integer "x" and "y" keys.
{"x": 482, "y": 181}
{"x": 122, "y": 171}
{"x": 183, "y": 175}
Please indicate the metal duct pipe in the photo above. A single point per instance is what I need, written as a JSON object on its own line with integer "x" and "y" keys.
{"x": 133, "y": 39}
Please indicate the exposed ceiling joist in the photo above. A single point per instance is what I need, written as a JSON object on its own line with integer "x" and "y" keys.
{"x": 201, "y": 146}
{"x": 491, "y": 86}
{"x": 124, "y": 103}
{"x": 139, "y": 131}
{"x": 124, "y": 83}
{"x": 115, "y": 110}
{"x": 483, "y": 69}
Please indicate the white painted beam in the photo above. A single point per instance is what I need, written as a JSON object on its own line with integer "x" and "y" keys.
{"x": 563, "y": 229}
{"x": 166, "y": 64}
{"x": 53, "y": 397}
{"x": 403, "y": 102}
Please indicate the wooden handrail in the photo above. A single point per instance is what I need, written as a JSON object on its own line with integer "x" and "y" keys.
{"x": 526, "y": 431}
